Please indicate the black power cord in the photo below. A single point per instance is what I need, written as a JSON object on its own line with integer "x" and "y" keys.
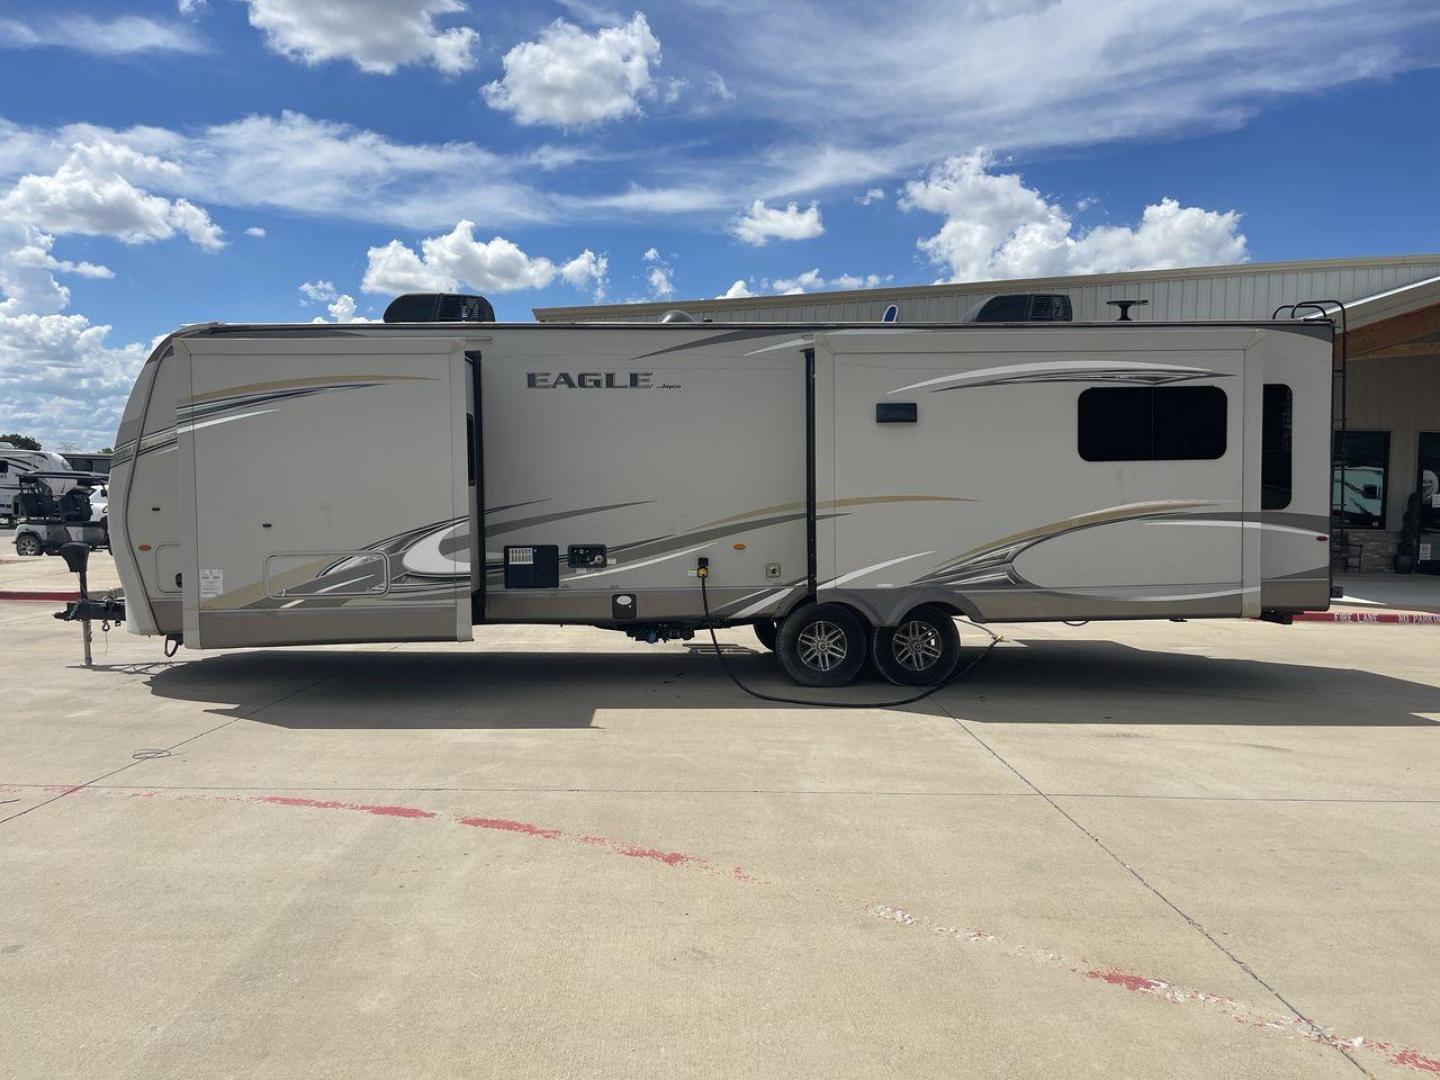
{"x": 959, "y": 672}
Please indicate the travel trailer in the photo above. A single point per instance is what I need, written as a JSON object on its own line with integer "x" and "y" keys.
{"x": 846, "y": 489}
{"x": 15, "y": 463}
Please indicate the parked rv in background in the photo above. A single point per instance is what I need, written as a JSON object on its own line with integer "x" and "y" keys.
{"x": 15, "y": 463}
{"x": 848, "y": 488}
{"x": 96, "y": 462}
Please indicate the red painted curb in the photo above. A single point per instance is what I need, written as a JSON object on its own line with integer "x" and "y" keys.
{"x": 61, "y": 596}
{"x": 1403, "y": 618}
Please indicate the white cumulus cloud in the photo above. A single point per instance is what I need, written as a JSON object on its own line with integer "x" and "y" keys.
{"x": 342, "y": 310}
{"x": 255, "y": 231}
{"x": 377, "y": 36}
{"x": 587, "y": 271}
{"x": 457, "y": 258}
{"x": 760, "y": 223}
{"x": 91, "y": 194}
{"x": 872, "y": 195}
{"x": 660, "y": 275}
{"x": 59, "y": 376}
{"x": 736, "y": 291}
{"x": 317, "y": 292}
{"x": 568, "y": 78}
{"x": 661, "y": 287}
{"x": 28, "y": 269}
{"x": 62, "y": 380}
{"x": 998, "y": 227}
{"x": 812, "y": 279}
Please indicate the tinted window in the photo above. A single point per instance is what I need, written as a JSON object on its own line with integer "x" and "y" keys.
{"x": 1142, "y": 423}
{"x": 1275, "y": 482}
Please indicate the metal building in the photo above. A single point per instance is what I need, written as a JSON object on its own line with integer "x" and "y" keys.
{"x": 1388, "y": 400}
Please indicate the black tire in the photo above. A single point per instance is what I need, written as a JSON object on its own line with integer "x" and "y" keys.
{"x": 766, "y": 631}
{"x": 29, "y": 544}
{"x": 921, "y": 650}
{"x": 822, "y": 645}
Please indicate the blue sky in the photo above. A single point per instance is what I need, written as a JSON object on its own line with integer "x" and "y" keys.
{"x": 554, "y": 152}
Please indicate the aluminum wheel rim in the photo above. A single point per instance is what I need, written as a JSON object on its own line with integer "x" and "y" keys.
{"x": 28, "y": 546}
{"x": 823, "y": 646}
{"x": 916, "y": 646}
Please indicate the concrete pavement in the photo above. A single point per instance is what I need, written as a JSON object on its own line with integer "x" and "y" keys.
{"x": 47, "y": 573}
{"x": 1131, "y": 850}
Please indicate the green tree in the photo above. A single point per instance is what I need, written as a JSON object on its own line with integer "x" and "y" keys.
{"x": 22, "y": 442}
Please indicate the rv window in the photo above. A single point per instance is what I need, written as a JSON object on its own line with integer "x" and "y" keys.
{"x": 1275, "y": 447}
{"x": 1141, "y": 423}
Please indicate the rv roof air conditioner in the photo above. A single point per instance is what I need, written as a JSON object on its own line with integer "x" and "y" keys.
{"x": 439, "y": 307}
{"x": 1023, "y": 307}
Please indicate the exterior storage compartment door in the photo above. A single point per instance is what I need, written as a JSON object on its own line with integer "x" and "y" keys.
{"x": 324, "y": 490}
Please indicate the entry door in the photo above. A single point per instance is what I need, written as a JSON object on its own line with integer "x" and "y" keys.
{"x": 328, "y": 495}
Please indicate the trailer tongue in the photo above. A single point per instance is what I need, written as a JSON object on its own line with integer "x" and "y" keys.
{"x": 108, "y": 609}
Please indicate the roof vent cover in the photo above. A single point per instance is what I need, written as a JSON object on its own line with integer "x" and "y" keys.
{"x": 1025, "y": 307}
{"x": 439, "y": 307}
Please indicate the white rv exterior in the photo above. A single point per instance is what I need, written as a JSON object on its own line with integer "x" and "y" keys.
{"x": 277, "y": 485}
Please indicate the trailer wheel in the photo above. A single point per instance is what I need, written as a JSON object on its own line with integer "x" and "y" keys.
{"x": 921, "y": 651}
{"x": 822, "y": 645}
{"x": 28, "y": 544}
{"x": 766, "y": 631}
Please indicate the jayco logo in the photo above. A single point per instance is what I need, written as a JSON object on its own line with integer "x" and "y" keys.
{"x": 590, "y": 380}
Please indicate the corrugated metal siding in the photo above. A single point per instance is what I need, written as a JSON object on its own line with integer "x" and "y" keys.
{"x": 1401, "y": 396}
{"x": 1242, "y": 294}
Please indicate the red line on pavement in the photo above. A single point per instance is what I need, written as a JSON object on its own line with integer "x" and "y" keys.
{"x": 523, "y": 828}
{"x": 325, "y": 804}
{"x": 510, "y": 826}
{"x": 1173, "y": 993}
{"x": 1123, "y": 978}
